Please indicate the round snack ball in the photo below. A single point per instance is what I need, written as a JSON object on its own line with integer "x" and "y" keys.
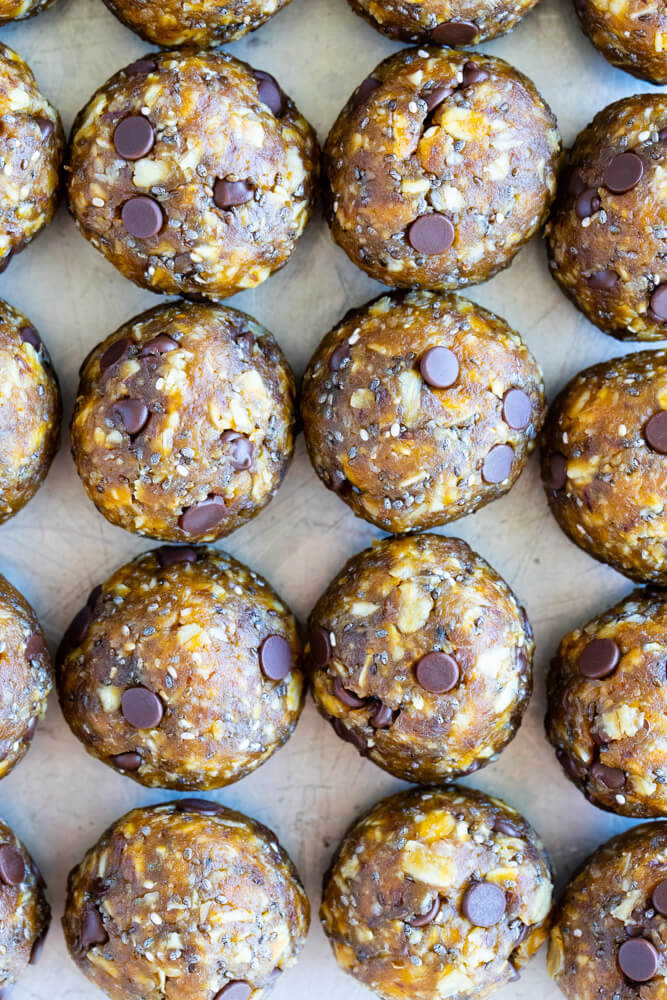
{"x": 610, "y": 927}
{"x": 607, "y": 714}
{"x": 196, "y": 23}
{"x": 630, "y": 35}
{"x": 25, "y": 914}
{"x": 421, "y": 657}
{"x": 183, "y": 670}
{"x": 445, "y": 22}
{"x": 437, "y": 892}
{"x": 604, "y": 463}
{"x": 183, "y": 423}
{"x": 30, "y": 411}
{"x": 607, "y": 231}
{"x": 32, "y": 150}
{"x": 419, "y": 408}
{"x": 19, "y": 10}
{"x": 223, "y": 915}
{"x": 439, "y": 168}
{"x": 206, "y": 191}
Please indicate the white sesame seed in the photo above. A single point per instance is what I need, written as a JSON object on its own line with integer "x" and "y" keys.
{"x": 395, "y": 430}
{"x": 363, "y": 434}
{"x": 98, "y": 202}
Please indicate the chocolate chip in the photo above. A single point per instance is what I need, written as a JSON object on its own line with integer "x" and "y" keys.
{"x": 269, "y": 92}
{"x": 382, "y": 718}
{"x": 638, "y": 959}
{"x": 133, "y": 137}
{"x": 140, "y": 66}
{"x": 557, "y": 471}
{"x": 655, "y": 432}
{"x": 236, "y": 990}
{"x": 431, "y": 234}
{"x": 506, "y": 827}
{"x": 568, "y": 764}
{"x": 92, "y": 930}
{"x": 498, "y": 464}
{"x": 12, "y": 865}
{"x": 132, "y": 413}
{"x": 575, "y": 183}
{"x": 588, "y": 203}
{"x": 128, "y": 761}
{"x": 142, "y": 217}
{"x": 517, "y": 409}
{"x": 611, "y": 777}
{"x": 339, "y": 357}
{"x": 116, "y": 352}
{"x": 141, "y": 708}
{"x": 203, "y": 516}
{"x": 438, "y": 672}
{"x": 45, "y": 126}
{"x": 6, "y": 261}
{"x": 435, "y": 97}
{"x": 659, "y": 897}
{"x": 320, "y": 647}
{"x": 345, "y": 697}
{"x": 599, "y": 658}
{"x": 158, "y": 345}
{"x": 35, "y": 646}
{"x": 240, "y": 449}
{"x": 423, "y": 919}
{"x": 172, "y": 555}
{"x": 29, "y": 335}
{"x": 472, "y": 73}
{"x": 37, "y": 947}
{"x": 275, "y": 657}
{"x": 227, "y": 194}
{"x": 484, "y": 904}
{"x": 439, "y": 367}
{"x": 603, "y": 281}
{"x": 623, "y": 173}
{"x": 364, "y": 90}
{"x": 79, "y": 627}
{"x": 206, "y": 806}
{"x": 659, "y": 302}
{"x": 352, "y": 736}
{"x": 454, "y": 33}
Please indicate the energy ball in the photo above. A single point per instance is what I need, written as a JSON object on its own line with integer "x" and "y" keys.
{"x": 437, "y": 892}
{"x": 609, "y": 931}
{"x": 30, "y": 411}
{"x": 445, "y": 22}
{"x": 185, "y": 901}
{"x": 18, "y": 10}
{"x": 629, "y": 34}
{"x": 31, "y": 147}
{"x": 25, "y": 914}
{"x": 182, "y": 670}
{"x": 26, "y": 679}
{"x": 439, "y": 168}
{"x": 195, "y": 23}
{"x": 193, "y": 173}
{"x": 419, "y": 408}
{"x": 607, "y": 715}
{"x": 421, "y": 656}
{"x": 604, "y": 463}
{"x": 607, "y": 235}
{"x": 183, "y": 424}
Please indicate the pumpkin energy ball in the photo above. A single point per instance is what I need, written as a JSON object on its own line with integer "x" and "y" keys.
{"x": 18, "y": 10}
{"x": 25, "y": 914}
{"x": 604, "y": 463}
{"x": 439, "y": 168}
{"x": 182, "y": 670}
{"x": 607, "y": 715}
{"x": 193, "y": 173}
{"x": 196, "y": 23}
{"x": 31, "y": 146}
{"x": 30, "y": 411}
{"x": 437, "y": 892}
{"x": 445, "y": 22}
{"x": 185, "y": 901}
{"x": 419, "y": 408}
{"x": 629, "y": 34}
{"x": 183, "y": 423}
{"x": 421, "y": 657}
{"x": 608, "y": 232}
{"x": 609, "y": 931}
{"x": 26, "y": 678}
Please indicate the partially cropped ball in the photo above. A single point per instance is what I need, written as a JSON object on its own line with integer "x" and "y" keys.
{"x": 441, "y": 892}
{"x": 25, "y": 914}
{"x": 419, "y": 408}
{"x": 629, "y": 34}
{"x": 182, "y": 670}
{"x": 193, "y": 173}
{"x": 420, "y": 656}
{"x": 19, "y": 10}
{"x": 183, "y": 423}
{"x": 439, "y": 168}
{"x": 185, "y": 901}
{"x": 171, "y": 23}
{"x": 445, "y": 22}
{"x": 30, "y": 411}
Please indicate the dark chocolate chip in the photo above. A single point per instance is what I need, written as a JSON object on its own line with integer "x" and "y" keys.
{"x": 364, "y": 90}
{"x": 438, "y": 672}
{"x": 228, "y": 194}
{"x": 484, "y": 904}
{"x": 655, "y": 432}
{"x": 158, "y": 345}
{"x": 588, "y": 203}
{"x": 203, "y": 516}
{"x": 236, "y": 990}
{"x": 339, "y": 357}
{"x": 439, "y": 367}
{"x": 431, "y": 234}
{"x": 94, "y": 596}
{"x": 659, "y": 302}
{"x": 269, "y": 92}
{"x": 506, "y": 827}
{"x": 435, "y": 97}
{"x": 659, "y": 897}
{"x": 275, "y": 657}
{"x": 498, "y": 464}
{"x": 12, "y": 865}
{"x": 612, "y": 777}
{"x": 517, "y": 409}
{"x": 382, "y": 718}
{"x": 29, "y": 335}
{"x": 206, "y": 806}
{"x": 423, "y": 919}
{"x": 568, "y": 764}
{"x": 172, "y": 555}
{"x": 141, "y": 708}
{"x": 599, "y": 658}
{"x": 128, "y": 761}
{"x": 623, "y": 173}
{"x": 638, "y": 959}
{"x": 79, "y": 627}
{"x": 45, "y": 126}
{"x": 603, "y": 281}
{"x": 114, "y": 353}
{"x": 31, "y": 730}
{"x": 557, "y": 471}
{"x": 92, "y": 930}
{"x": 345, "y": 697}
{"x": 454, "y": 33}
{"x": 240, "y": 449}
{"x": 472, "y": 73}
{"x": 133, "y": 137}
{"x": 132, "y": 413}
{"x": 35, "y": 646}
{"x": 320, "y": 647}
{"x": 350, "y": 735}
{"x": 140, "y": 66}
{"x": 576, "y": 183}
{"x": 142, "y": 217}
{"x": 6, "y": 261}
{"x": 37, "y": 947}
